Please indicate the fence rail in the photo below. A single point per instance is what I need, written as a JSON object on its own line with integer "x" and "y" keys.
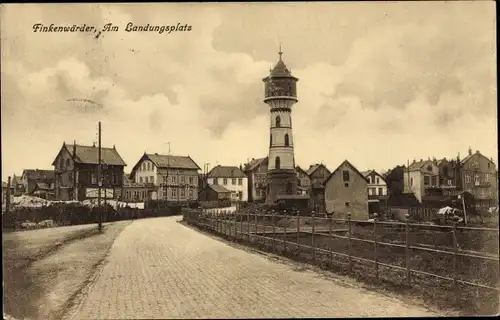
{"x": 277, "y": 229}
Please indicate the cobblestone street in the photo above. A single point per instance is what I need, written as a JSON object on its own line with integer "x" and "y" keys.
{"x": 158, "y": 268}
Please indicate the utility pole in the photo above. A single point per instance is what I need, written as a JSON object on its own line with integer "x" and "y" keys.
{"x": 99, "y": 178}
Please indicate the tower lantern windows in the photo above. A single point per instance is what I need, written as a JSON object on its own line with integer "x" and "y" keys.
{"x": 277, "y": 163}
{"x": 287, "y": 140}
{"x": 278, "y": 121}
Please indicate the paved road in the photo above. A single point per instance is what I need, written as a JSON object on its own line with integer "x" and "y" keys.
{"x": 159, "y": 268}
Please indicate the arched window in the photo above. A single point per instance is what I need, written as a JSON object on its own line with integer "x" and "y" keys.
{"x": 277, "y": 163}
{"x": 287, "y": 140}
{"x": 270, "y": 140}
{"x": 278, "y": 121}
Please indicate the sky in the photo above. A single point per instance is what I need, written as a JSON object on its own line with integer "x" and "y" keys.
{"x": 379, "y": 83}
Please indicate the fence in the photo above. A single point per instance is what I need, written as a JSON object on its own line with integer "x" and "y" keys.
{"x": 444, "y": 261}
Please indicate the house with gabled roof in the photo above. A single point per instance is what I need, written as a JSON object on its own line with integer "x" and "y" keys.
{"x": 231, "y": 178}
{"x": 216, "y": 194}
{"x": 303, "y": 181}
{"x": 318, "y": 173}
{"x": 175, "y": 178}
{"x": 76, "y": 174}
{"x": 479, "y": 176}
{"x": 31, "y": 177}
{"x": 345, "y": 191}
{"x": 256, "y": 172}
{"x": 422, "y": 178}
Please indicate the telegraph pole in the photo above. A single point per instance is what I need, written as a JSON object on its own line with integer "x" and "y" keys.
{"x": 99, "y": 178}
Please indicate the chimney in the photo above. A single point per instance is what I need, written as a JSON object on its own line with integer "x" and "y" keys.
{"x": 414, "y": 161}
{"x": 470, "y": 151}
{"x": 114, "y": 147}
{"x": 93, "y": 144}
{"x": 477, "y": 151}
{"x": 74, "y": 149}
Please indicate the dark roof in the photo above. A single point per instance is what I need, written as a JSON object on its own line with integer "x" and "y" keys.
{"x": 297, "y": 168}
{"x": 39, "y": 174}
{"x": 254, "y": 164}
{"x": 218, "y": 188}
{"x": 348, "y": 164}
{"x": 170, "y": 161}
{"x": 43, "y": 186}
{"x": 226, "y": 172}
{"x": 89, "y": 155}
{"x": 315, "y": 167}
{"x": 366, "y": 173}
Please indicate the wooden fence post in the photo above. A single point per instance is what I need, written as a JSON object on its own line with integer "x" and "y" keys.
{"x": 349, "y": 240}
{"x": 241, "y": 225}
{"x": 375, "y": 218}
{"x": 284, "y": 231}
{"x": 298, "y": 232}
{"x": 455, "y": 252}
{"x": 255, "y": 220}
{"x": 330, "y": 239}
{"x": 313, "y": 245}
{"x": 407, "y": 251}
{"x": 274, "y": 231}
{"x": 248, "y": 226}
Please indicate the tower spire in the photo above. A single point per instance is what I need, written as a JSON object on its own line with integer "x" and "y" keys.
{"x": 280, "y": 52}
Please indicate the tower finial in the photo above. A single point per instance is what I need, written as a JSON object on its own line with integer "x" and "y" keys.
{"x": 280, "y": 52}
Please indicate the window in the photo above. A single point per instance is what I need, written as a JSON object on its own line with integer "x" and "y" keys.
{"x": 278, "y": 121}
{"x": 93, "y": 178}
{"x": 288, "y": 187}
{"x": 224, "y": 181}
{"x": 449, "y": 182}
{"x": 380, "y": 191}
{"x": 489, "y": 165}
{"x": 345, "y": 175}
{"x": 434, "y": 180}
{"x": 174, "y": 179}
{"x": 67, "y": 162}
{"x": 165, "y": 180}
{"x": 183, "y": 179}
{"x": 146, "y": 179}
{"x": 429, "y": 168}
{"x": 114, "y": 178}
{"x": 277, "y": 163}
{"x": 191, "y": 193}
{"x": 191, "y": 180}
{"x": 271, "y": 140}
{"x": 240, "y": 195}
{"x": 298, "y": 182}
{"x": 70, "y": 176}
{"x": 287, "y": 140}
{"x": 369, "y": 180}
{"x": 476, "y": 180}
{"x": 426, "y": 180}
{"x": 467, "y": 178}
{"x": 140, "y": 180}
{"x": 347, "y": 204}
{"x": 151, "y": 179}
{"x": 378, "y": 181}
{"x": 174, "y": 192}
{"x": 411, "y": 181}
{"x": 144, "y": 166}
{"x": 240, "y": 181}
{"x": 487, "y": 177}
{"x": 183, "y": 193}
{"x": 233, "y": 181}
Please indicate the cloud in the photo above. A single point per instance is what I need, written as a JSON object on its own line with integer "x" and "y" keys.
{"x": 377, "y": 83}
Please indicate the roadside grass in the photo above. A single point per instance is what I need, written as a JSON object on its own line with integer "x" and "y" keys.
{"x": 436, "y": 292}
{"x": 44, "y": 268}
